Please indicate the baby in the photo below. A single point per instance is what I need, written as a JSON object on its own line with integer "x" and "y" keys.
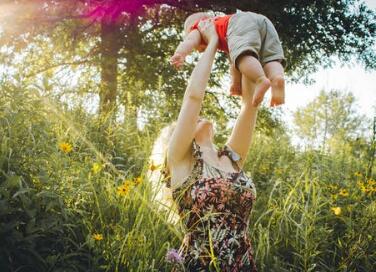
{"x": 253, "y": 47}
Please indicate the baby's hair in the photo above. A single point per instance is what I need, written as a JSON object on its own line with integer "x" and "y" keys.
{"x": 192, "y": 18}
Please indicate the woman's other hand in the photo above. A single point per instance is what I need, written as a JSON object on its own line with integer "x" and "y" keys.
{"x": 207, "y": 30}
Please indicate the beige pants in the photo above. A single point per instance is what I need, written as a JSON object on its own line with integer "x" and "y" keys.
{"x": 254, "y": 34}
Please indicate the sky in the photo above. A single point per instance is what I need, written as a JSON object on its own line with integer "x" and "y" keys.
{"x": 371, "y": 3}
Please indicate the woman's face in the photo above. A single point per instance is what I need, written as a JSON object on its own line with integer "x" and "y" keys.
{"x": 204, "y": 129}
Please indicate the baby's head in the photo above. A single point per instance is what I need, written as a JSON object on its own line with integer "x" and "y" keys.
{"x": 191, "y": 19}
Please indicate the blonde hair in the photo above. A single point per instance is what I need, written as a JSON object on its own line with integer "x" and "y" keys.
{"x": 192, "y": 18}
{"x": 162, "y": 195}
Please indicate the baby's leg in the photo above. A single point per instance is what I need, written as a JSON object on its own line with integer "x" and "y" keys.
{"x": 251, "y": 68}
{"x": 275, "y": 72}
{"x": 236, "y": 78}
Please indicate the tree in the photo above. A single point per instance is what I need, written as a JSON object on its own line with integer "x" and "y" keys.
{"x": 330, "y": 118}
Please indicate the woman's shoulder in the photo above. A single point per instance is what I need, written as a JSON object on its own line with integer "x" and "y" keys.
{"x": 182, "y": 168}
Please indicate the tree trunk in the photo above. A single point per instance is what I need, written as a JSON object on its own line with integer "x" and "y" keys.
{"x": 130, "y": 113}
{"x": 110, "y": 45}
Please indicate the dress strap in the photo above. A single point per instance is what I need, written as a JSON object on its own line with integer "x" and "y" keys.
{"x": 196, "y": 151}
{"x": 231, "y": 154}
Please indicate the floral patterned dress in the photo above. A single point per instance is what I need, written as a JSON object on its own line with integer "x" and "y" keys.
{"x": 215, "y": 207}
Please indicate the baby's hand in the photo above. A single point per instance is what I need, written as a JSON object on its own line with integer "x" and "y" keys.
{"x": 207, "y": 30}
{"x": 177, "y": 60}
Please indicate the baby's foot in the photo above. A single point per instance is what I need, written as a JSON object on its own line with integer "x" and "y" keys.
{"x": 262, "y": 85}
{"x": 235, "y": 88}
{"x": 278, "y": 91}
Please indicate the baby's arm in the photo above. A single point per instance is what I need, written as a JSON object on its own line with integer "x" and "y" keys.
{"x": 191, "y": 41}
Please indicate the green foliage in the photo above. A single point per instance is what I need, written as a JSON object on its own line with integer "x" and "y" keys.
{"x": 330, "y": 118}
{"x": 57, "y": 37}
{"x": 311, "y": 31}
{"x": 293, "y": 225}
{"x": 37, "y": 230}
{"x": 53, "y": 202}
{"x": 78, "y": 207}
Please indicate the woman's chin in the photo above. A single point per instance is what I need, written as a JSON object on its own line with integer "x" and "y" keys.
{"x": 204, "y": 136}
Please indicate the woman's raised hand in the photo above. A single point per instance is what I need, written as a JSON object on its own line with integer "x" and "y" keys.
{"x": 207, "y": 30}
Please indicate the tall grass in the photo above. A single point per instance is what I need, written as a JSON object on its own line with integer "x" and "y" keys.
{"x": 90, "y": 208}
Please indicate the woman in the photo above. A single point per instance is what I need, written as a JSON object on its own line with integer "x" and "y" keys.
{"x": 213, "y": 195}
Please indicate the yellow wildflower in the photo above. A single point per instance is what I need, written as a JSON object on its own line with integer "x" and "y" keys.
{"x": 153, "y": 166}
{"x": 97, "y": 236}
{"x": 123, "y": 189}
{"x": 343, "y": 192}
{"x": 128, "y": 182}
{"x": 368, "y": 190}
{"x": 65, "y": 147}
{"x": 264, "y": 168}
{"x": 358, "y": 174}
{"x": 336, "y": 210}
{"x": 137, "y": 180}
{"x": 371, "y": 185}
{"x": 362, "y": 186}
{"x": 96, "y": 168}
{"x": 333, "y": 186}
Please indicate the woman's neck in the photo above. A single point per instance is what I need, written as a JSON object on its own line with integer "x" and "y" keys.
{"x": 206, "y": 144}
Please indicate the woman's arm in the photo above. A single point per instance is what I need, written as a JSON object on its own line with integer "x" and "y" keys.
{"x": 241, "y": 135}
{"x": 181, "y": 140}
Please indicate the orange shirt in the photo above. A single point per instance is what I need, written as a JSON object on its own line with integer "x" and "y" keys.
{"x": 221, "y": 23}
